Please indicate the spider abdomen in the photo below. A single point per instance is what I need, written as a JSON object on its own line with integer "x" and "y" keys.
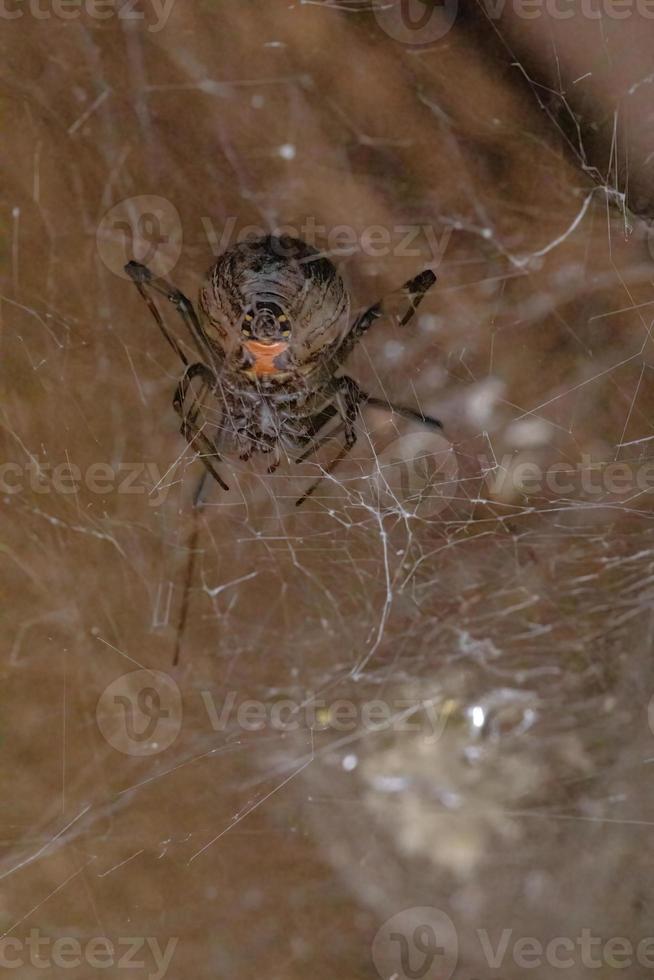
{"x": 273, "y": 281}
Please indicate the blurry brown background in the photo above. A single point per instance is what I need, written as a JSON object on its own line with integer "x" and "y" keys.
{"x": 524, "y": 621}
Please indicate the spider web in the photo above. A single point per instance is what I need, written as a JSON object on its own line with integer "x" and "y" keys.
{"x": 430, "y": 684}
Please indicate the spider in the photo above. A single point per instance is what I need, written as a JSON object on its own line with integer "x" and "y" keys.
{"x": 271, "y": 341}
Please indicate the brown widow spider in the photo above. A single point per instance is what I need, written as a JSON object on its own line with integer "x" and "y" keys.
{"x": 273, "y": 337}
{"x": 271, "y": 342}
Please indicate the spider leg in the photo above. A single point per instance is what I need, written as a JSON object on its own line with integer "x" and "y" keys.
{"x": 328, "y": 413}
{"x": 317, "y": 444}
{"x": 205, "y": 448}
{"x": 407, "y": 413}
{"x": 190, "y": 429}
{"x": 276, "y": 460}
{"x": 402, "y": 304}
{"x": 316, "y": 423}
{"x": 190, "y": 566}
{"x": 352, "y": 400}
{"x": 142, "y": 278}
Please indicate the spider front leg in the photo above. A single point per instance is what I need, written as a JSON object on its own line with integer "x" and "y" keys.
{"x": 402, "y": 304}
{"x": 190, "y": 429}
{"x": 143, "y": 279}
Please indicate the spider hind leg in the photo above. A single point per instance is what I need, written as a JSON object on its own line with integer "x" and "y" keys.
{"x": 352, "y": 398}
